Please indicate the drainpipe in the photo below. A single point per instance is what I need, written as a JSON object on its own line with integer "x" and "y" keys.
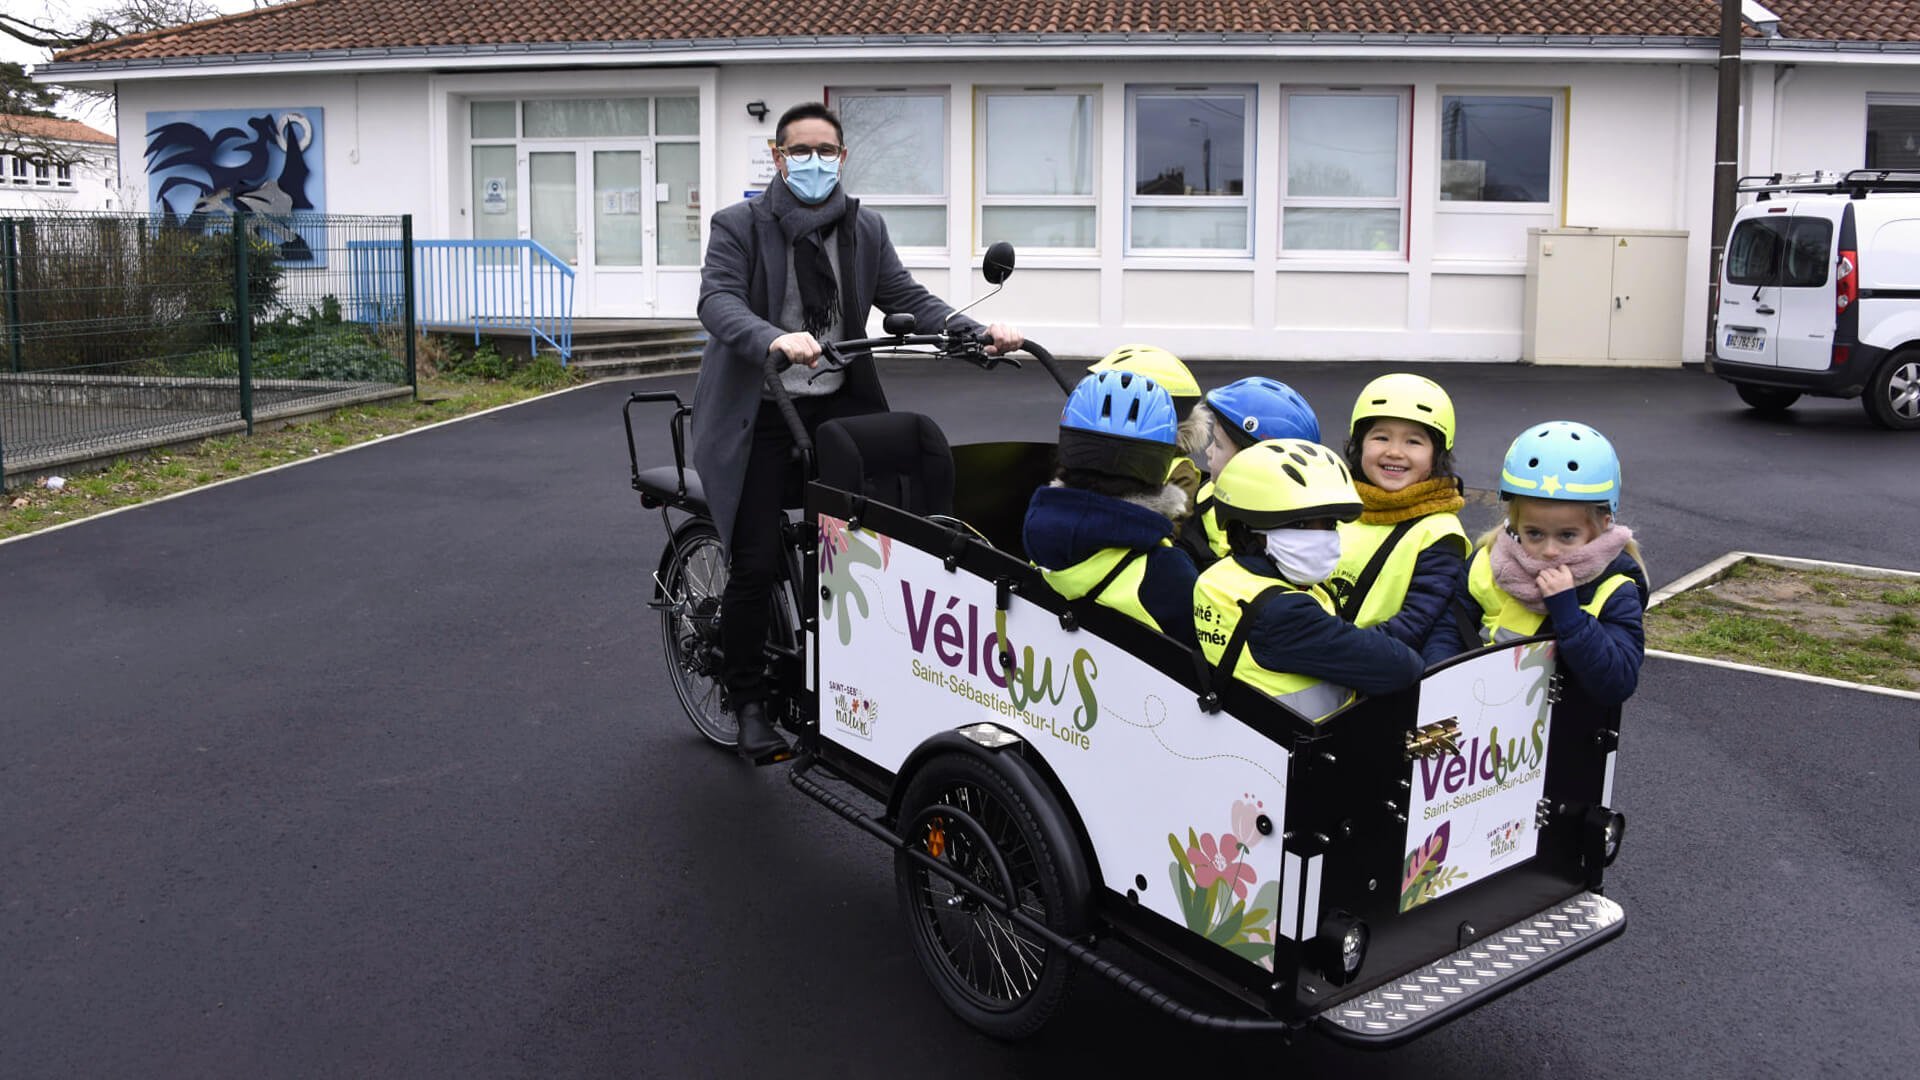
{"x": 1726, "y": 160}
{"x": 1782, "y": 75}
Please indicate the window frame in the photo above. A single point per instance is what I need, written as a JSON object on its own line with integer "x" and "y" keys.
{"x": 1403, "y": 177}
{"x": 1249, "y": 127}
{"x": 984, "y": 201}
{"x": 1908, "y": 101}
{"x": 942, "y": 201}
{"x": 1556, "y": 153}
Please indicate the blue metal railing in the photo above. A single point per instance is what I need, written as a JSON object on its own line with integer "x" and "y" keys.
{"x": 513, "y": 285}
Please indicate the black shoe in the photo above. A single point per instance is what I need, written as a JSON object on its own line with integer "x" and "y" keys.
{"x": 759, "y": 743}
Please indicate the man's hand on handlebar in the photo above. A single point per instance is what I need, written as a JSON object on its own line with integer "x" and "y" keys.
{"x": 798, "y": 347}
{"x": 1003, "y": 339}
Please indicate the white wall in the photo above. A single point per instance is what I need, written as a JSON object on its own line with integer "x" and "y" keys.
{"x": 1822, "y": 113}
{"x": 93, "y": 176}
{"x": 1636, "y": 152}
{"x": 378, "y": 156}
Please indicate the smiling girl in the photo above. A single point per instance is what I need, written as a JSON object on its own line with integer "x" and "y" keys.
{"x": 1401, "y": 563}
{"x": 1560, "y": 564}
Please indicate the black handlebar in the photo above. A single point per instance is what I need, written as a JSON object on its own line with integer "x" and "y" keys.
{"x": 836, "y": 355}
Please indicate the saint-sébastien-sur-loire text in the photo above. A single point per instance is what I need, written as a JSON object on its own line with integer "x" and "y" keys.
{"x": 949, "y": 635}
{"x": 1498, "y": 767}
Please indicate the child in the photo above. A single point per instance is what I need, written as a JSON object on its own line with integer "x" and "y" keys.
{"x": 1166, "y": 369}
{"x": 1560, "y": 564}
{"x": 1231, "y": 419}
{"x": 1260, "y": 612}
{"x": 1102, "y": 528}
{"x": 1401, "y": 563}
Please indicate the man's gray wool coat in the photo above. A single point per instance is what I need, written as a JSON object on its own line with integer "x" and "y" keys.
{"x": 741, "y": 287}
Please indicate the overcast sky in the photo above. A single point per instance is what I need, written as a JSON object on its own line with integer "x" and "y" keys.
{"x": 62, "y": 13}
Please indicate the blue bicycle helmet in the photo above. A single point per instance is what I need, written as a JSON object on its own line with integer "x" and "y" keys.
{"x": 1120, "y": 423}
{"x": 1564, "y": 460}
{"x": 1258, "y": 408}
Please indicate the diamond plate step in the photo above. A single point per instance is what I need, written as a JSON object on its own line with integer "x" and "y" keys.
{"x": 1454, "y": 984}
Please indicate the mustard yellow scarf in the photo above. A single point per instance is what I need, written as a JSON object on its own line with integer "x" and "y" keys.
{"x": 1438, "y": 495}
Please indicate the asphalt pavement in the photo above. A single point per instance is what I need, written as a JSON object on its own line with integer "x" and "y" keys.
{"x": 370, "y": 767}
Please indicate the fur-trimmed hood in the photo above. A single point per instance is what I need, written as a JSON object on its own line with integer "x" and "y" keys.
{"x": 1067, "y": 525}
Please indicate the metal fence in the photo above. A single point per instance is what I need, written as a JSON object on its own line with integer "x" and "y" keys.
{"x": 124, "y": 331}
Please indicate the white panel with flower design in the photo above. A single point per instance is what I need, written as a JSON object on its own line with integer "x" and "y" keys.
{"x": 1184, "y": 809}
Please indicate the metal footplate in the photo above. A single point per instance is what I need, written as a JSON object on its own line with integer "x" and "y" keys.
{"x": 1454, "y": 984}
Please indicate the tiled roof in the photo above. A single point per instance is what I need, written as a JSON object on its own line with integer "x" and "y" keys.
{"x": 46, "y": 127}
{"x": 317, "y": 25}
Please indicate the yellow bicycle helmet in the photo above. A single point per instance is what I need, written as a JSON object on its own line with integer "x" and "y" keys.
{"x": 1281, "y": 481}
{"x": 1159, "y": 365}
{"x": 1405, "y": 396}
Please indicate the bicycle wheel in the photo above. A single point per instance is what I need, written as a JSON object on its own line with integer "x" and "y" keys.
{"x": 994, "y": 974}
{"x": 695, "y": 576}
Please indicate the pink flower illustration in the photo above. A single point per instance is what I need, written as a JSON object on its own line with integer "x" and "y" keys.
{"x": 1246, "y": 822}
{"x": 1214, "y": 861}
{"x": 833, "y": 541}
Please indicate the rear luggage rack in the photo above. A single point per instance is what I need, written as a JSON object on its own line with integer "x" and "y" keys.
{"x": 1857, "y": 184}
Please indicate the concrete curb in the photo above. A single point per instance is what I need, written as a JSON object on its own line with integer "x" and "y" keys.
{"x": 1718, "y": 569}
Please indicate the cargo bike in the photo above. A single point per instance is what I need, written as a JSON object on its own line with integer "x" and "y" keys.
{"x": 1052, "y": 775}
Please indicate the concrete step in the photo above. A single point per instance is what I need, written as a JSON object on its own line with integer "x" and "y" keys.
{"x": 608, "y": 348}
{"x": 619, "y": 367}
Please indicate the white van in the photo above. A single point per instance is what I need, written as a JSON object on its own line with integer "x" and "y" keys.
{"x": 1820, "y": 294}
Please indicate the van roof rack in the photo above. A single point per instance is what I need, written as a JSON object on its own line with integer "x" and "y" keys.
{"x": 1857, "y": 184}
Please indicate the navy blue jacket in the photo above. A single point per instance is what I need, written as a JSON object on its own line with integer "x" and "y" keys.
{"x": 1292, "y": 633}
{"x": 1438, "y": 573}
{"x": 1066, "y": 526}
{"x": 1600, "y": 656}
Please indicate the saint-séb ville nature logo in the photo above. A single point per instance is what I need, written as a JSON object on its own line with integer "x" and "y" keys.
{"x": 853, "y": 712}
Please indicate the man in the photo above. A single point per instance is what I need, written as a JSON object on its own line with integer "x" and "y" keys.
{"x": 798, "y": 265}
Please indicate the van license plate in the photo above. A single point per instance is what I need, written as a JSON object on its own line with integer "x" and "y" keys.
{"x": 1747, "y": 341}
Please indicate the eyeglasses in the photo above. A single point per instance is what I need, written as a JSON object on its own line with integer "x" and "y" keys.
{"x": 828, "y": 152}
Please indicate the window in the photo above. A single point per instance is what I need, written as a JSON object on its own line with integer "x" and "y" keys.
{"x": 1794, "y": 252}
{"x": 1187, "y": 186}
{"x": 898, "y": 160}
{"x": 493, "y": 119}
{"x": 1893, "y": 134}
{"x": 41, "y": 174}
{"x": 19, "y": 170}
{"x": 584, "y": 118}
{"x": 63, "y": 173}
{"x": 1036, "y": 157}
{"x": 1497, "y": 148}
{"x": 1343, "y": 171}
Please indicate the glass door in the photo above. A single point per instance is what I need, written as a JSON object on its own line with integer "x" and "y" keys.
{"x": 620, "y": 241}
{"x": 553, "y": 206}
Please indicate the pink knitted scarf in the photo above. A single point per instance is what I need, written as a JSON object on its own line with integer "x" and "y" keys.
{"x": 1515, "y": 571}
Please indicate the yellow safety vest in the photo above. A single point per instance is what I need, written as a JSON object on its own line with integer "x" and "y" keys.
{"x": 1216, "y": 533}
{"x": 1217, "y": 600}
{"x": 1121, "y": 594}
{"x": 1358, "y": 544}
{"x": 1504, "y": 618}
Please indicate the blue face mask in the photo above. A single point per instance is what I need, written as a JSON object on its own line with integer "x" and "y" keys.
{"x": 812, "y": 181}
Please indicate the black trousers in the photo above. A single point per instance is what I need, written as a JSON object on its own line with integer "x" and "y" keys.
{"x": 773, "y": 484}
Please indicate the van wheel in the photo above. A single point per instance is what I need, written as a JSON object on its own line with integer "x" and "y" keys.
{"x": 1766, "y": 399}
{"x": 1892, "y": 399}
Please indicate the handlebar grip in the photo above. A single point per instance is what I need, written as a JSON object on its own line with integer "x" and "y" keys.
{"x": 1039, "y": 353}
{"x": 776, "y": 363}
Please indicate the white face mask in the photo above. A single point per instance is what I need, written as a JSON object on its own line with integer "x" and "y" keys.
{"x": 1304, "y": 556}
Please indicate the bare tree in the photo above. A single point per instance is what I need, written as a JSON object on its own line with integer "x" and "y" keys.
{"x": 20, "y": 97}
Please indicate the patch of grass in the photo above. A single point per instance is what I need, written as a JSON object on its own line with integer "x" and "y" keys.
{"x": 1815, "y": 622}
{"x": 151, "y": 475}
